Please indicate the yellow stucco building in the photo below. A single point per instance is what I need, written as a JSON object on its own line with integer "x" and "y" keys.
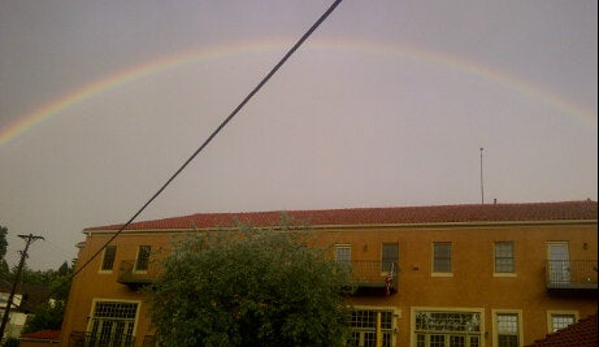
{"x": 453, "y": 276}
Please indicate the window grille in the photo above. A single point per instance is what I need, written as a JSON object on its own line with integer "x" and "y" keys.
{"x": 342, "y": 254}
{"x": 363, "y": 324}
{"x": 560, "y": 321}
{"x": 507, "y": 330}
{"x": 504, "y": 257}
{"x": 440, "y": 329}
{"x": 112, "y": 324}
{"x": 442, "y": 257}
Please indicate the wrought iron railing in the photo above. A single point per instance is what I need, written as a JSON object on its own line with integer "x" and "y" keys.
{"x": 371, "y": 274}
{"x": 85, "y": 339}
{"x": 576, "y": 274}
{"x": 128, "y": 274}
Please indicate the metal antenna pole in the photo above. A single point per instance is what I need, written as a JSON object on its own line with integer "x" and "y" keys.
{"x": 482, "y": 186}
{"x": 29, "y": 240}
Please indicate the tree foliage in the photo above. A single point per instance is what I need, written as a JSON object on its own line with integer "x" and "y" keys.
{"x": 50, "y": 313}
{"x": 3, "y": 241}
{"x": 249, "y": 288}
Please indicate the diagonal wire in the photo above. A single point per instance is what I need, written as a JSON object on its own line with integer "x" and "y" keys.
{"x": 235, "y": 111}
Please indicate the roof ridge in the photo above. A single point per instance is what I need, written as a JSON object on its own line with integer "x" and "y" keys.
{"x": 501, "y": 212}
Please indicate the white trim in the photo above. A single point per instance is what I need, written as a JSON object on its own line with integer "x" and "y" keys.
{"x": 415, "y": 309}
{"x": 518, "y": 313}
{"x": 96, "y": 300}
{"x": 551, "y": 313}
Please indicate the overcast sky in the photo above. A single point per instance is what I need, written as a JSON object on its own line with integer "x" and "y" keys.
{"x": 387, "y": 104}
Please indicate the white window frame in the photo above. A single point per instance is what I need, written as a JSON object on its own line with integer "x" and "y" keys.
{"x": 553, "y": 313}
{"x": 502, "y": 273}
{"x": 442, "y": 274}
{"x": 498, "y": 312}
{"x": 108, "y": 271}
{"x": 478, "y": 310}
{"x": 344, "y": 246}
{"x": 100, "y": 300}
{"x": 395, "y": 312}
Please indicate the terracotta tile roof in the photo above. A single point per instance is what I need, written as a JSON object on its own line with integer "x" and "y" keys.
{"x": 43, "y": 335}
{"x": 521, "y": 212}
{"x": 580, "y": 334}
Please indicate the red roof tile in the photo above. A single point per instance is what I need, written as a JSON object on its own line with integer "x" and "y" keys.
{"x": 580, "y": 334}
{"x": 43, "y": 335}
{"x": 521, "y": 212}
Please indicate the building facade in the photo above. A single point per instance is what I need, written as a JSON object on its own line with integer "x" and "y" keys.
{"x": 453, "y": 276}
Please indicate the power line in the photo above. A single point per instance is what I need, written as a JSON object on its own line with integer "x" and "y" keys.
{"x": 235, "y": 111}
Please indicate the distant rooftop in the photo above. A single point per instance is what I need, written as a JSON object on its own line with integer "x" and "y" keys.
{"x": 513, "y": 212}
{"x": 42, "y": 335}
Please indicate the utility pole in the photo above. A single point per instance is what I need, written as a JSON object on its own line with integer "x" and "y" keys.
{"x": 28, "y": 241}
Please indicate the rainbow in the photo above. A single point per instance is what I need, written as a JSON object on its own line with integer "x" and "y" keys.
{"x": 130, "y": 75}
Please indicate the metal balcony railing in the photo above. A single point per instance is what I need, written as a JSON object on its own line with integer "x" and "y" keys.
{"x": 571, "y": 274}
{"x": 132, "y": 276}
{"x": 365, "y": 275}
{"x": 85, "y": 339}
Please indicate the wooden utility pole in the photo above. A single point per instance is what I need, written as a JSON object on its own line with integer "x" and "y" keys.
{"x": 28, "y": 241}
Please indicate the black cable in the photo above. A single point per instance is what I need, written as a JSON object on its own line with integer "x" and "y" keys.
{"x": 215, "y": 132}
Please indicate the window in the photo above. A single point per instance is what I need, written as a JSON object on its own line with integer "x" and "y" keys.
{"x": 111, "y": 324}
{"x": 560, "y": 320}
{"x": 390, "y": 257}
{"x": 504, "y": 257}
{"x": 439, "y": 328}
{"x": 507, "y": 329}
{"x": 343, "y": 253}
{"x": 108, "y": 258}
{"x": 143, "y": 258}
{"x": 559, "y": 263}
{"x": 364, "y": 328}
{"x": 442, "y": 257}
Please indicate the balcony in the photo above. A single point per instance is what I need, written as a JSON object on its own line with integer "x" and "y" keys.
{"x": 371, "y": 277}
{"x": 571, "y": 277}
{"x": 86, "y": 339}
{"x": 133, "y": 277}
{"x": 365, "y": 277}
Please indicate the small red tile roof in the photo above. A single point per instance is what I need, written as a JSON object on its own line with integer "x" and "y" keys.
{"x": 580, "y": 334}
{"x": 43, "y": 335}
{"x": 513, "y": 212}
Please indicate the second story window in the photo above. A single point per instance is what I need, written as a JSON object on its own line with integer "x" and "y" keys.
{"x": 108, "y": 258}
{"x": 390, "y": 257}
{"x": 343, "y": 254}
{"x": 442, "y": 257}
{"x": 504, "y": 257}
{"x": 143, "y": 258}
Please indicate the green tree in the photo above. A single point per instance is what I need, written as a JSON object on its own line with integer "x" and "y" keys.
{"x": 50, "y": 313}
{"x": 251, "y": 288}
{"x": 4, "y": 270}
{"x": 3, "y": 241}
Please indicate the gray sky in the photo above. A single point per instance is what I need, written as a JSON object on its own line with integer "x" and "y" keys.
{"x": 387, "y": 104}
